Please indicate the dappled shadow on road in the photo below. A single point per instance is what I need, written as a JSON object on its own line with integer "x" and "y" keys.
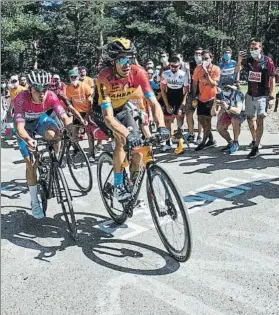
{"x": 6, "y": 145}
{"x": 240, "y": 196}
{"x": 96, "y": 243}
{"x": 14, "y": 188}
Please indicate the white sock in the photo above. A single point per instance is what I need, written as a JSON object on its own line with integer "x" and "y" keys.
{"x": 34, "y": 193}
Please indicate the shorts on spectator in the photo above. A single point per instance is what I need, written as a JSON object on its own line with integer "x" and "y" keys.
{"x": 255, "y": 106}
{"x": 204, "y": 109}
{"x": 226, "y": 118}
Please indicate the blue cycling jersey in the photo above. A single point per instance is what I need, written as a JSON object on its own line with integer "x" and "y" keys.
{"x": 228, "y": 75}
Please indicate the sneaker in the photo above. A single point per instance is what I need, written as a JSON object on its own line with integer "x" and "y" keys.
{"x": 37, "y": 211}
{"x": 200, "y": 147}
{"x": 234, "y": 147}
{"x": 91, "y": 159}
{"x": 227, "y": 147}
{"x": 190, "y": 138}
{"x": 120, "y": 193}
{"x": 210, "y": 144}
{"x": 254, "y": 153}
{"x": 253, "y": 143}
{"x": 166, "y": 148}
{"x": 199, "y": 140}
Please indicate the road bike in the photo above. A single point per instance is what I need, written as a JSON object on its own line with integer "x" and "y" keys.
{"x": 52, "y": 182}
{"x": 168, "y": 209}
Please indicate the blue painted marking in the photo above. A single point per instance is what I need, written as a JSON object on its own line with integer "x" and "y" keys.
{"x": 199, "y": 197}
{"x": 235, "y": 192}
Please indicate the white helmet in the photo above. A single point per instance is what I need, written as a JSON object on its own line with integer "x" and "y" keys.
{"x": 39, "y": 79}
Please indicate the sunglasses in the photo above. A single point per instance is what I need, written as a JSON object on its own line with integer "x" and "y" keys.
{"x": 73, "y": 77}
{"x": 14, "y": 81}
{"x": 123, "y": 61}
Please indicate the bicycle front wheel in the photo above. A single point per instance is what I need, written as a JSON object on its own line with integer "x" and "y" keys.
{"x": 79, "y": 167}
{"x": 105, "y": 177}
{"x": 169, "y": 213}
{"x": 64, "y": 198}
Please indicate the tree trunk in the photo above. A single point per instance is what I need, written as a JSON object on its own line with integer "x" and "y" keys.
{"x": 36, "y": 50}
{"x": 255, "y": 18}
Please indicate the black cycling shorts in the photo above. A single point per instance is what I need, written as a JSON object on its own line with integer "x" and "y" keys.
{"x": 204, "y": 109}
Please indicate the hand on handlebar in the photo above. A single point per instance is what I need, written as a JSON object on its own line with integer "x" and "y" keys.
{"x": 133, "y": 141}
{"x": 31, "y": 145}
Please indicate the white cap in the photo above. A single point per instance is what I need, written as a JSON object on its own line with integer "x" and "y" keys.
{"x": 14, "y": 77}
{"x": 56, "y": 76}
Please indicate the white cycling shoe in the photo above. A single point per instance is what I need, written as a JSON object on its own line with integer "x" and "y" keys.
{"x": 120, "y": 193}
{"x": 37, "y": 211}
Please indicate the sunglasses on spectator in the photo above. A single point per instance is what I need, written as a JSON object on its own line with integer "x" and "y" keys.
{"x": 73, "y": 77}
{"x": 13, "y": 81}
{"x": 123, "y": 61}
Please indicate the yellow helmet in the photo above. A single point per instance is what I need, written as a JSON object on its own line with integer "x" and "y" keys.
{"x": 119, "y": 46}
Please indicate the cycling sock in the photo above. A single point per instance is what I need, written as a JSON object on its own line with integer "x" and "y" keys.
{"x": 34, "y": 193}
{"x": 118, "y": 179}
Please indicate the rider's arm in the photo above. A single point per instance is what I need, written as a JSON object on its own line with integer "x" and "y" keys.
{"x": 157, "y": 110}
{"x": 163, "y": 87}
{"x": 22, "y": 133}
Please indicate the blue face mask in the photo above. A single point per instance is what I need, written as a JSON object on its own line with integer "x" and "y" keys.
{"x": 123, "y": 61}
{"x": 227, "y": 57}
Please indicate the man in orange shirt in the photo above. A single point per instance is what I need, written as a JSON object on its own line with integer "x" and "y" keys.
{"x": 80, "y": 95}
{"x": 15, "y": 87}
{"x": 86, "y": 79}
{"x": 206, "y": 76}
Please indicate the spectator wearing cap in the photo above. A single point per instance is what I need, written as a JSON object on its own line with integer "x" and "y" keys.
{"x": 261, "y": 90}
{"x": 228, "y": 69}
{"x": 80, "y": 95}
{"x": 86, "y": 79}
{"x": 232, "y": 112}
{"x": 15, "y": 87}
{"x": 23, "y": 82}
{"x": 58, "y": 84}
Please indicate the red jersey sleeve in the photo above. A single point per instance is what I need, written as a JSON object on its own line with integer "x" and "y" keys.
{"x": 19, "y": 113}
{"x": 141, "y": 79}
{"x": 53, "y": 102}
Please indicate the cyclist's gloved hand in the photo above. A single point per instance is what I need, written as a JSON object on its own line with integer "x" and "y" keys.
{"x": 133, "y": 140}
{"x": 70, "y": 130}
{"x": 164, "y": 133}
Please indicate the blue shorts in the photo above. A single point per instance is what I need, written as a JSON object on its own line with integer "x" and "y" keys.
{"x": 39, "y": 127}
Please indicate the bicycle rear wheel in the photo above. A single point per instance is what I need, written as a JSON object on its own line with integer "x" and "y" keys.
{"x": 79, "y": 167}
{"x": 169, "y": 213}
{"x": 105, "y": 177}
{"x": 64, "y": 198}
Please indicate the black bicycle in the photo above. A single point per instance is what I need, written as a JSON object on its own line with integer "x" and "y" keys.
{"x": 167, "y": 207}
{"x": 77, "y": 161}
{"x": 52, "y": 182}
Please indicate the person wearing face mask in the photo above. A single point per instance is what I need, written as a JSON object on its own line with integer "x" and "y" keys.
{"x": 80, "y": 95}
{"x": 205, "y": 81}
{"x": 174, "y": 88}
{"x": 231, "y": 101}
{"x": 15, "y": 87}
{"x": 190, "y": 110}
{"x": 227, "y": 67}
{"x": 261, "y": 90}
{"x": 164, "y": 59}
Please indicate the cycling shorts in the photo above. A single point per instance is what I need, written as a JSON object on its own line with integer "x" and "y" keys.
{"x": 39, "y": 127}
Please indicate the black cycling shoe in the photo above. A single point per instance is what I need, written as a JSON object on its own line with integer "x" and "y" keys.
{"x": 200, "y": 147}
{"x": 254, "y": 153}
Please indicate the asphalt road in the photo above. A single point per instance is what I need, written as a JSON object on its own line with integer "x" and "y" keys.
{"x": 234, "y": 267}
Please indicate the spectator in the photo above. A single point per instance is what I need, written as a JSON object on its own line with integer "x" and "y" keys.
{"x": 228, "y": 67}
{"x": 164, "y": 59}
{"x": 23, "y": 82}
{"x": 261, "y": 90}
{"x": 86, "y": 79}
{"x": 80, "y": 95}
{"x": 149, "y": 64}
{"x": 15, "y": 87}
{"x": 155, "y": 86}
{"x": 190, "y": 110}
{"x": 232, "y": 113}
{"x": 206, "y": 77}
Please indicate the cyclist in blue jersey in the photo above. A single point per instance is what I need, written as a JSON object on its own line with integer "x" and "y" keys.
{"x": 227, "y": 67}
